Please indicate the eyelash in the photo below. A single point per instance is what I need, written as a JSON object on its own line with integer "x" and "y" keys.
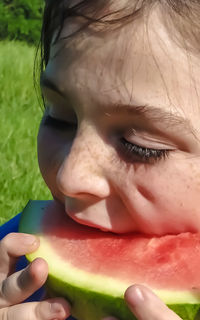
{"x": 131, "y": 151}
{"x": 58, "y": 124}
{"x": 147, "y": 155}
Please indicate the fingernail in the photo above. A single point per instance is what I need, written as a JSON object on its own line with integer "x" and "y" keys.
{"x": 138, "y": 295}
{"x": 58, "y": 311}
{"x": 56, "y": 308}
{"x": 134, "y": 296}
{"x": 29, "y": 239}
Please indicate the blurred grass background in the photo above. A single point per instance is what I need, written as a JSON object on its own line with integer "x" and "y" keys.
{"x": 21, "y": 113}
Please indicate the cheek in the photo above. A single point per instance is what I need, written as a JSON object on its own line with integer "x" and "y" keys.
{"x": 52, "y": 150}
{"x": 163, "y": 198}
{"x": 171, "y": 183}
{"x": 177, "y": 196}
{"x": 177, "y": 185}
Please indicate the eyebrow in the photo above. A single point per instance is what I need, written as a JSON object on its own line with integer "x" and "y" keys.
{"x": 45, "y": 82}
{"x": 148, "y": 112}
{"x": 155, "y": 114}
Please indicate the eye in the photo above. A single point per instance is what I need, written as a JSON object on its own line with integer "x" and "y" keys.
{"x": 58, "y": 124}
{"x": 133, "y": 152}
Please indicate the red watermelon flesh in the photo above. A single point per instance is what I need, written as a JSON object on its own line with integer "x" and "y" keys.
{"x": 169, "y": 262}
{"x": 92, "y": 269}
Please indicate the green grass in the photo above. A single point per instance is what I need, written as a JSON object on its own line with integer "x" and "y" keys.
{"x": 20, "y": 116}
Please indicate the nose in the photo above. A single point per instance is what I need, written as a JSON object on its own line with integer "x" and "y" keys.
{"x": 82, "y": 171}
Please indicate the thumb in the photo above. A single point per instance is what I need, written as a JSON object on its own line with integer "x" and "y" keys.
{"x": 50, "y": 309}
{"x": 146, "y": 305}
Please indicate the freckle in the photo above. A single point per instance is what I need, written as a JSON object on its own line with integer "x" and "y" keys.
{"x": 107, "y": 114}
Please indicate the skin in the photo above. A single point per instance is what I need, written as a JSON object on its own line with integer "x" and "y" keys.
{"x": 85, "y": 165}
{"x": 16, "y": 287}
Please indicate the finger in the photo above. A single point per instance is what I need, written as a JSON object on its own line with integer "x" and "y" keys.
{"x": 51, "y": 309}
{"x": 12, "y": 246}
{"x": 146, "y": 305}
{"x": 22, "y": 284}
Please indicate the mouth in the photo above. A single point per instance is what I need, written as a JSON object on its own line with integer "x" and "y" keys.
{"x": 88, "y": 223}
{"x": 119, "y": 222}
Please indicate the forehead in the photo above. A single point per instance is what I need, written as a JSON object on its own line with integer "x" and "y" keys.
{"x": 138, "y": 63}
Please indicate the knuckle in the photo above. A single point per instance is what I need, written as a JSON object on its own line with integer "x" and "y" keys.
{"x": 4, "y": 295}
{"x": 3, "y": 289}
{"x": 4, "y": 314}
{"x": 7, "y": 240}
{"x": 24, "y": 279}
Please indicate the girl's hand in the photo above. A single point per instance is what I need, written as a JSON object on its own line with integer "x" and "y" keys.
{"x": 18, "y": 286}
{"x": 145, "y": 305}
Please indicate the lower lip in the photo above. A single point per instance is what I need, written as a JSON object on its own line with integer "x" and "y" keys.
{"x": 86, "y": 223}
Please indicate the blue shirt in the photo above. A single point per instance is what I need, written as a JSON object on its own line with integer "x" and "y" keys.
{"x": 12, "y": 226}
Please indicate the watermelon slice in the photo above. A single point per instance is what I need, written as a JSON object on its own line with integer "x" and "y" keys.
{"x": 92, "y": 268}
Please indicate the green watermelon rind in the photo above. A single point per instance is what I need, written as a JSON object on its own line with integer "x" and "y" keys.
{"x": 90, "y": 298}
{"x": 96, "y": 306}
{"x": 78, "y": 287}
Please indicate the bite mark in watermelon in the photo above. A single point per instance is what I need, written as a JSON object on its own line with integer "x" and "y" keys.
{"x": 92, "y": 269}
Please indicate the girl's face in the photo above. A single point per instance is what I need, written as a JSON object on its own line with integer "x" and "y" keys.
{"x": 119, "y": 141}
